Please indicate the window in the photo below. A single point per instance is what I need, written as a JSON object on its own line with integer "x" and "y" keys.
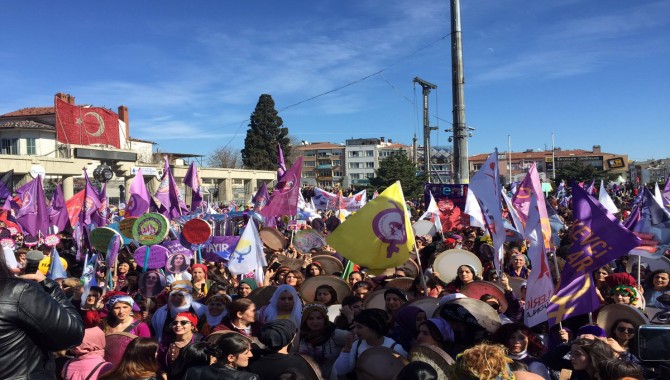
{"x": 354, "y": 153}
{"x": 369, "y": 153}
{"x": 354, "y": 165}
{"x": 31, "y": 146}
{"x": 337, "y": 174}
{"x": 309, "y": 164}
{"x": 337, "y": 162}
{"x": 370, "y": 165}
{"x": 10, "y": 146}
{"x": 370, "y": 175}
{"x": 355, "y": 176}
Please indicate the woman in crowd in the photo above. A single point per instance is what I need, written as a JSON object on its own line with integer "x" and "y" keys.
{"x": 518, "y": 266}
{"x": 407, "y": 321}
{"x": 284, "y": 304}
{"x": 433, "y": 287}
{"x": 245, "y": 287}
{"x": 658, "y": 284}
{"x": 294, "y": 278}
{"x": 370, "y": 329}
{"x": 351, "y": 307}
{"x": 465, "y": 274}
{"x": 354, "y": 277}
{"x": 222, "y": 275}
{"x": 313, "y": 269}
{"x": 178, "y": 268}
{"x": 241, "y": 318}
{"x": 120, "y": 280}
{"x": 184, "y": 332}
{"x": 585, "y": 354}
{"x": 89, "y": 361}
{"x": 319, "y": 338}
{"x": 201, "y": 284}
{"x": 216, "y": 309}
{"x": 233, "y": 352}
{"x": 523, "y": 345}
{"x": 278, "y": 278}
{"x": 361, "y": 288}
{"x": 326, "y": 295}
{"x": 194, "y": 355}
{"x": 436, "y": 332}
{"x": 137, "y": 363}
{"x": 90, "y": 310}
{"x": 394, "y": 298}
{"x": 600, "y": 281}
{"x": 151, "y": 283}
{"x": 120, "y": 317}
{"x": 625, "y": 295}
{"x": 624, "y": 331}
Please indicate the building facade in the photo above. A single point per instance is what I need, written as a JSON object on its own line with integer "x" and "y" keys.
{"x": 362, "y": 157}
{"x": 29, "y": 146}
{"x": 649, "y": 171}
{"x": 322, "y": 165}
{"x": 514, "y": 165}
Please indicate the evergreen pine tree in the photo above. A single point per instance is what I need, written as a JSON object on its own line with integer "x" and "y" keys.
{"x": 265, "y": 131}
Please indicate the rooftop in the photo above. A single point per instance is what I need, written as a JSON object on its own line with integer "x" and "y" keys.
{"x": 31, "y": 111}
{"x": 25, "y": 124}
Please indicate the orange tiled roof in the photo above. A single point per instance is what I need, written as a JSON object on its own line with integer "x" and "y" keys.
{"x": 29, "y": 124}
{"x": 31, "y": 111}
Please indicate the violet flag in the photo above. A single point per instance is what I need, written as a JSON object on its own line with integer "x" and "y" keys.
{"x": 284, "y": 198}
{"x": 33, "y": 216}
{"x": 651, "y": 223}
{"x": 592, "y": 188}
{"x": 261, "y": 198}
{"x": 58, "y": 209}
{"x": 486, "y": 186}
{"x": 6, "y": 185}
{"x": 138, "y": 196}
{"x": 99, "y": 216}
{"x": 169, "y": 195}
{"x": 91, "y": 203}
{"x": 192, "y": 180}
{"x": 281, "y": 165}
{"x": 598, "y": 238}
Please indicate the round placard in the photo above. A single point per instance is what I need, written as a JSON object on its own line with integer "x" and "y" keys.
{"x": 126, "y": 226}
{"x": 100, "y": 238}
{"x": 150, "y": 229}
{"x": 196, "y": 231}
{"x": 157, "y": 256}
{"x": 51, "y": 240}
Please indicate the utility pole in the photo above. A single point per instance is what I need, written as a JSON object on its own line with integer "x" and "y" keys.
{"x": 460, "y": 137}
{"x": 415, "y": 154}
{"x": 427, "y": 86}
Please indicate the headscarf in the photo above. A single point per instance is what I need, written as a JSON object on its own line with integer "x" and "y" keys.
{"x": 374, "y": 319}
{"x": 397, "y": 292}
{"x": 190, "y": 316}
{"x": 251, "y": 282}
{"x": 188, "y": 298}
{"x": 92, "y": 344}
{"x": 119, "y": 298}
{"x": 444, "y": 328}
{"x": 201, "y": 266}
{"x": 277, "y": 334}
{"x": 316, "y": 338}
{"x": 270, "y": 310}
{"x": 405, "y": 329}
{"x": 214, "y": 320}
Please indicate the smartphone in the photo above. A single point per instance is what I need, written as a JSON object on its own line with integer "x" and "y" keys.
{"x": 275, "y": 266}
{"x": 654, "y": 342}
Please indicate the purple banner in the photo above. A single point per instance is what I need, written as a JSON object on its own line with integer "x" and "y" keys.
{"x": 219, "y": 248}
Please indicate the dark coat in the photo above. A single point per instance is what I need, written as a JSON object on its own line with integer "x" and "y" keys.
{"x": 35, "y": 318}
{"x": 218, "y": 373}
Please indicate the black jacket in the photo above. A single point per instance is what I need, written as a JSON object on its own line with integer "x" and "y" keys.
{"x": 218, "y": 373}
{"x": 35, "y": 318}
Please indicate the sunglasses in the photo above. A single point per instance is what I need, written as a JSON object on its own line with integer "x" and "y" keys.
{"x": 625, "y": 330}
{"x": 183, "y": 323}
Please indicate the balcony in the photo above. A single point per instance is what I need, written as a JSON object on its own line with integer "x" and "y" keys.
{"x": 324, "y": 167}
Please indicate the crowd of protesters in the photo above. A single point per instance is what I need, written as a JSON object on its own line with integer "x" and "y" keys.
{"x": 198, "y": 321}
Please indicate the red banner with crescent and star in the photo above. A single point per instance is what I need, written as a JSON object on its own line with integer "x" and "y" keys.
{"x": 86, "y": 125}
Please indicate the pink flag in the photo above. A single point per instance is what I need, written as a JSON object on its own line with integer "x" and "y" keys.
{"x": 281, "y": 165}
{"x": 521, "y": 202}
{"x": 192, "y": 180}
{"x": 138, "y": 196}
{"x": 58, "y": 210}
{"x": 99, "y": 217}
{"x": 284, "y": 198}
{"x": 486, "y": 186}
{"x": 33, "y": 215}
{"x": 92, "y": 202}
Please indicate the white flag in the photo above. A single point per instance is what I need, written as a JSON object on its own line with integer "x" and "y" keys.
{"x": 540, "y": 287}
{"x": 434, "y": 213}
{"x": 473, "y": 209}
{"x": 605, "y": 199}
{"x": 657, "y": 195}
{"x": 248, "y": 254}
{"x": 486, "y": 186}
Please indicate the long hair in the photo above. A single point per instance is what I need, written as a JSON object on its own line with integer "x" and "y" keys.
{"x": 138, "y": 361}
{"x": 271, "y": 312}
{"x": 194, "y": 355}
{"x": 231, "y": 344}
{"x": 535, "y": 346}
{"x": 239, "y": 305}
{"x": 597, "y": 350}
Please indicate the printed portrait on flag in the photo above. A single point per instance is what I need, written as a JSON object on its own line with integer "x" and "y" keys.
{"x": 450, "y": 201}
{"x": 86, "y": 125}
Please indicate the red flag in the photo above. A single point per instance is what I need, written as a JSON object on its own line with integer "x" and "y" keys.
{"x": 74, "y": 206}
{"x": 85, "y": 126}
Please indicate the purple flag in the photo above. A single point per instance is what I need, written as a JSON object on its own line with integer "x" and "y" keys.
{"x": 99, "y": 216}
{"x": 592, "y": 188}
{"x": 261, "y": 198}
{"x": 192, "y": 180}
{"x": 284, "y": 198}
{"x": 6, "y": 185}
{"x": 651, "y": 222}
{"x": 138, "y": 196}
{"x": 169, "y": 195}
{"x": 33, "y": 215}
{"x": 598, "y": 238}
{"x": 58, "y": 210}
{"x": 92, "y": 202}
{"x": 666, "y": 194}
{"x": 281, "y": 165}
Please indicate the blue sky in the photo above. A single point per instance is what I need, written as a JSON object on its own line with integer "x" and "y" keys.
{"x": 592, "y": 72}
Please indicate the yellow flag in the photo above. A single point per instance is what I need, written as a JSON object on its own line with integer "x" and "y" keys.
{"x": 379, "y": 235}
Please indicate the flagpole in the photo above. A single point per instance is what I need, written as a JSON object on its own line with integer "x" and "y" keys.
{"x": 418, "y": 260}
